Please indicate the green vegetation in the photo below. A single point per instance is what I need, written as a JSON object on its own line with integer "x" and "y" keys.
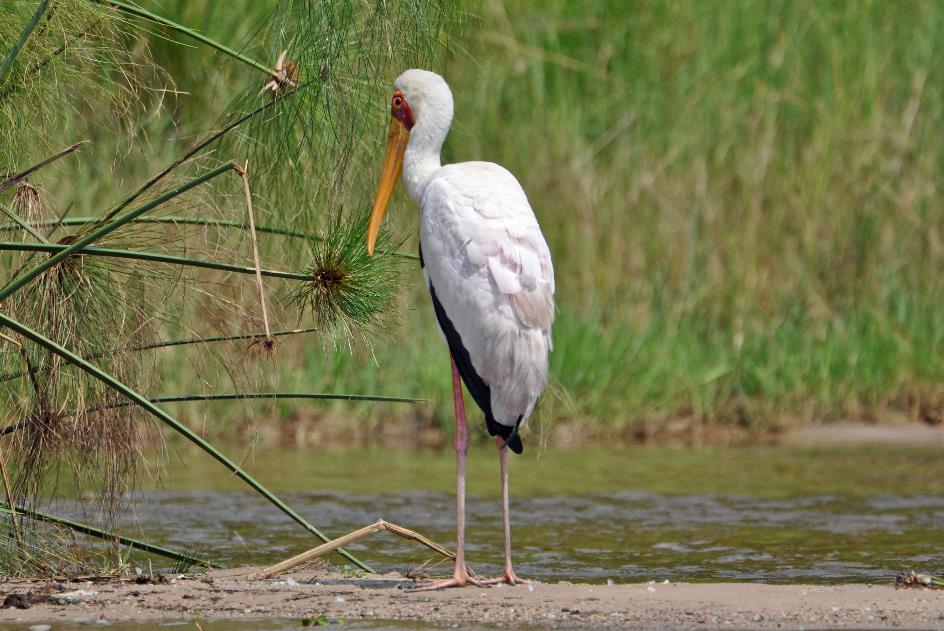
{"x": 81, "y": 324}
{"x": 740, "y": 198}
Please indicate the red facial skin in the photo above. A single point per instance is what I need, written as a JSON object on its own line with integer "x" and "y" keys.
{"x": 400, "y": 109}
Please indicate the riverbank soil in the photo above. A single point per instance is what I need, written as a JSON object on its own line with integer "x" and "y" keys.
{"x": 234, "y": 594}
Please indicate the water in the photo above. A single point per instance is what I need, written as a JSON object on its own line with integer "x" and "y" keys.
{"x": 838, "y": 514}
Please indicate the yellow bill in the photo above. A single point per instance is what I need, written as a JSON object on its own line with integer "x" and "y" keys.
{"x": 393, "y": 163}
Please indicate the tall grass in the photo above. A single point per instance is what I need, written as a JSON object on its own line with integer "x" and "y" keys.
{"x": 742, "y": 199}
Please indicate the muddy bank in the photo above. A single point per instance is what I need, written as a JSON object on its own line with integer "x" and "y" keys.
{"x": 309, "y": 430}
{"x": 851, "y": 433}
{"x": 233, "y": 594}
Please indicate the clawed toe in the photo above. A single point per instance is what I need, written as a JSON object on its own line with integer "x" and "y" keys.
{"x": 508, "y": 578}
{"x": 459, "y": 580}
{"x": 456, "y": 581}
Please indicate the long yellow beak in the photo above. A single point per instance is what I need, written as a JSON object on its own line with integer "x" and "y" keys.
{"x": 393, "y": 163}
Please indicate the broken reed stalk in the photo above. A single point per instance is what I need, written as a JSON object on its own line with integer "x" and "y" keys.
{"x": 173, "y": 423}
{"x": 244, "y": 174}
{"x": 18, "y": 46}
{"x": 105, "y": 535}
{"x": 366, "y": 531}
{"x": 22, "y": 175}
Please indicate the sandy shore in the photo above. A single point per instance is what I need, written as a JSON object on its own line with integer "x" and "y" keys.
{"x": 231, "y": 594}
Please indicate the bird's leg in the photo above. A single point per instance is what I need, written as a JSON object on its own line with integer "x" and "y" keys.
{"x": 509, "y": 576}
{"x": 460, "y": 576}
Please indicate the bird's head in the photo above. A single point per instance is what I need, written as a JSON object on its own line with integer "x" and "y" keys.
{"x": 421, "y": 110}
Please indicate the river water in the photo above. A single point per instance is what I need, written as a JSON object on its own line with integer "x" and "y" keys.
{"x": 772, "y": 514}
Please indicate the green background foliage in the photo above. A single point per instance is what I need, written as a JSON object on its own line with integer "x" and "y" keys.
{"x": 741, "y": 199}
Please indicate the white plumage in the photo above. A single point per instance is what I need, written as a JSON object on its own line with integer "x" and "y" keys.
{"x": 491, "y": 268}
{"x": 489, "y": 272}
{"x": 484, "y": 254}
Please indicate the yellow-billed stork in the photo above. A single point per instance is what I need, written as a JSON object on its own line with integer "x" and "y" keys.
{"x": 488, "y": 270}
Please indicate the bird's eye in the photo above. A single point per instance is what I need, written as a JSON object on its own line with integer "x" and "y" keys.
{"x": 397, "y": 101}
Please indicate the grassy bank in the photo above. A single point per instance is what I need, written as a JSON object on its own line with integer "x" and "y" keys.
{"x": 742, "y": 202}
{"x": 741, "y": 199}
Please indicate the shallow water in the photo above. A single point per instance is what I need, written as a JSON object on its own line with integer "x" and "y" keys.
{"x": 838, "y": 514}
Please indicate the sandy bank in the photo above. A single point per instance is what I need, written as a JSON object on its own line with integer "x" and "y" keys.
{"x": 231, "y": 594}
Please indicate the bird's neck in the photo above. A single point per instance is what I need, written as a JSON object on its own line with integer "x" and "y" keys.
{"x": 422, "y": 157}
{"x": 417, "y": 170}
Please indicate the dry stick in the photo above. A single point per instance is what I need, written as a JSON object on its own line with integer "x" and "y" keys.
{"x": 406, "y": 533}
{"x": 16, "y": 177}
{"x": 334, "y": 544}
{"x": 244, "y": 173}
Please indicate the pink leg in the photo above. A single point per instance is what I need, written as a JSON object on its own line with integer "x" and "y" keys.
{"x": 509, "y": 577}
{"x": 460, "y": 576}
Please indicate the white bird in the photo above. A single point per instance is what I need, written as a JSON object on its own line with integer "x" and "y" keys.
{"x": 489, "y": 272}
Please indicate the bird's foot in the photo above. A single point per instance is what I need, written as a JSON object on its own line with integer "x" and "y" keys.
{"x": 459, "y": 580}
{"x": 508, "y": 578}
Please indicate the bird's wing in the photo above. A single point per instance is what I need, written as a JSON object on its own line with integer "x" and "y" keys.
{"x": 499, "y": 233}
{"x": 492, "y": 272}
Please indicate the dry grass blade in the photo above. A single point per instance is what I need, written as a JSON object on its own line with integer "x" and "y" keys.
{"x": 22, "y": 175}
{"x": 269, "y": 343}
{"x": 366, "y": 531}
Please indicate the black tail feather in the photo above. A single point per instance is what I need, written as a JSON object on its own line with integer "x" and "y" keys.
{"x": 509, "y": 434}
{"x": 514, "y": 441}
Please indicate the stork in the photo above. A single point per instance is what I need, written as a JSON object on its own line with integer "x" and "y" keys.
{"x": 489, "y": 273}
